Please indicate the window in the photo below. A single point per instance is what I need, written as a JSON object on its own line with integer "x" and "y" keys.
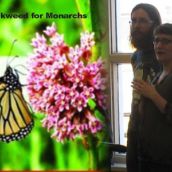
{"x": 120, "y": 17}
{"x": 120, "y": 70}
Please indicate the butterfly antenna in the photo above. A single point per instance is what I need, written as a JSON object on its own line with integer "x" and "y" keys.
{"x": 18, "y": 71}
{"x": 21, "y": 65}
{"x": 11, "y": 48}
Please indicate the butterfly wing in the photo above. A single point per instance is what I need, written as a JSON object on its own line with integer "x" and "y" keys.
{"x": 15, "y": 117}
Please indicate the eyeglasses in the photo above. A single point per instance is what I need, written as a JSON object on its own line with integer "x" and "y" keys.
{"x": 162, "y": 41}
{"x": 140, "y": 22}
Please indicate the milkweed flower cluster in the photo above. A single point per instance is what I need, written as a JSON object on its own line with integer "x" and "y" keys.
{"x": 61, "y": 80}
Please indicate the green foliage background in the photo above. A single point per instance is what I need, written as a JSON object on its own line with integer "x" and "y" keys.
{"x": 38, "y": 151}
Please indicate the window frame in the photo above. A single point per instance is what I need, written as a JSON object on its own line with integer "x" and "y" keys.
{"x": 115, "y": 58}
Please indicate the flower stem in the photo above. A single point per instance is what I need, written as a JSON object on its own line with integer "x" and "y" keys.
{"x": 92, "y": 159}
{"x": 92, "y": 153}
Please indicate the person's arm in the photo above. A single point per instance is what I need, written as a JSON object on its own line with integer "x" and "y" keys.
{"x": 150, "y": 92}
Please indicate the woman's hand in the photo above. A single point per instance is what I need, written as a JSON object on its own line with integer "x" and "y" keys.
{"x": 144, "y": 88}
{"x": 149, "y": 91}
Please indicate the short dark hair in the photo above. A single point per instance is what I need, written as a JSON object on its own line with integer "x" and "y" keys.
{"x": 151, "y": 10}
{"x": 163, "y": 29}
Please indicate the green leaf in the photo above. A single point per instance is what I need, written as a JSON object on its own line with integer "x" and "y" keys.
{"x": 39, "y": 116}
{"x": 99, "y": 115}
{"x": 84, "y": 8}
{"x": 91, "y": 104}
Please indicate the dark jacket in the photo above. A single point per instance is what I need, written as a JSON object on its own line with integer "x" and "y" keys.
{"x": 146, "y": 61}
{"x": 155, "y": 128}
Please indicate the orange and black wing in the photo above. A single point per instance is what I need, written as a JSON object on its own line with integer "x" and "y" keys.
{"x": 15, "y": 117}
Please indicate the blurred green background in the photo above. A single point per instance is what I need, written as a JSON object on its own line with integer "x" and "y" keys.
{"x": 38, "y": 151}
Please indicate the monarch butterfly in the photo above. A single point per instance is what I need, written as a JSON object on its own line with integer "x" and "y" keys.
{"x": 15, "y": 117}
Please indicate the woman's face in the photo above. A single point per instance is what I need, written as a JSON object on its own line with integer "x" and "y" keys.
{"x": 163, "y": 48}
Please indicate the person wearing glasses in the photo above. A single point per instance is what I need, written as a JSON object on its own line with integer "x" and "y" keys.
{"x": 155, "y": 114}
{"x": 144, "y": 19}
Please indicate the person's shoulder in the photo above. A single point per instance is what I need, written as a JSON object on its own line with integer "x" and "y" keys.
{"x": 135, "y": 57}
{"x": 135, "y": 53}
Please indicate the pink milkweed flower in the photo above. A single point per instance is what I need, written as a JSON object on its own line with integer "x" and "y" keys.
{"x": 38, "y": 41}
{"x": 79, "y": 102}
{"x": 61, "y": 80}
{"x": 49, "y": 122}
{"x": 50, "y": 30}
{"x": 87, "y": 40}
